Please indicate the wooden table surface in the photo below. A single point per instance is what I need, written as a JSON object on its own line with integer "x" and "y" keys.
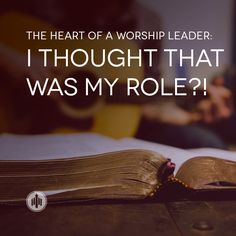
{"x": 155, "y": 218}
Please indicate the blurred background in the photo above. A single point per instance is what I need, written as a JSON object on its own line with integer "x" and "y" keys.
{"x": 214, "y": 16}
{"x": 207, "y": 122}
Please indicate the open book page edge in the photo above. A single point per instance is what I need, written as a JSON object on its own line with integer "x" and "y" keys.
{"x": 47, "y": 147}
{"x": 223, "y": 154}
{"x": 177, "y": 155}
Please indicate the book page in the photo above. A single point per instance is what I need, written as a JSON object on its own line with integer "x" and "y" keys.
{"x": 177, "y": 155}
{"x": 229, "y": 155}
{"x": 42, "y": 147}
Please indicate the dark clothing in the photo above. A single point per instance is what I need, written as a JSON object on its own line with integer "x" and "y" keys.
{"x": 217, "y": 135}
{"x": 188, "y": 136}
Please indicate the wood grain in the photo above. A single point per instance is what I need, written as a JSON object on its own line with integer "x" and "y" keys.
{"x": 192, "y": 218}
{"x": 97, "y": 219}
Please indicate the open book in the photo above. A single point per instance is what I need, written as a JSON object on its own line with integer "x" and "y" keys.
{"x": 91, "y": 166}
